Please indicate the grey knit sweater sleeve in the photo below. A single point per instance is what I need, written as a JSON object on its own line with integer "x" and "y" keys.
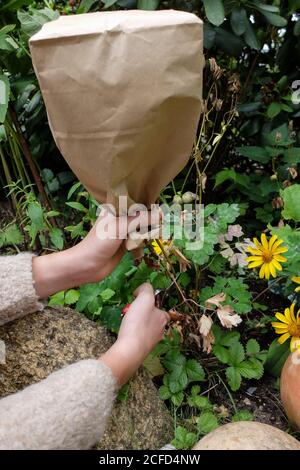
{"x": 67, "y": 410}
{"x": 17, "y": 293}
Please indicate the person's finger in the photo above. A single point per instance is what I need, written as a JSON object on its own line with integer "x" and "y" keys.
{"x": 145, "y": 288}
{"x": 165, "y": 314}
{"x": 144, "y": 221}
{"x": 168, "y": 318}
{"x": 138, "y": 253}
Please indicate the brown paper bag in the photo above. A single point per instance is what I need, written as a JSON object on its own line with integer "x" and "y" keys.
{"x": 122, "y": 91}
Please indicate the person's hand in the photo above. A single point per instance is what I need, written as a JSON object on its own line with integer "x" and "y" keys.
{"x": 141, "y": 329}
{"x": 92, "y": 259}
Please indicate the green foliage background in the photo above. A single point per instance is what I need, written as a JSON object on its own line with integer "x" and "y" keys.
{"x": 244, "y": 167}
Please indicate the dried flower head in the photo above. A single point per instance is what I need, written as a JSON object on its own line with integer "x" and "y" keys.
{"x": 215, "y": 69}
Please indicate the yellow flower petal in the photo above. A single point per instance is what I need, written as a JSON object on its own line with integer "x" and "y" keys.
{"x": 287, "y": 315}
{"x": 257, "y": 243}
{"x": 297, "y": 289}
{"x": 294, "y": 344}
{"x": 262, "y": 271}
{"x": 296, "y": 279}
{"x": 280, "y": 258}
{"x": 267, "y": 270}
{"x": 281, "y": 317}
{"x": 277, "y": 265}
{"x": 254, "y": 258}
{"x": 254, "y": 251}
{"x": 279, "y": 325}
{"x": 255, "y": 264}
{"x": 283, "y": 338}
{"x": 276, "y": 244}
{"x": 272, "y": 269}
{"x": 264, "y": 241}
{"x": 292, "y": 312}
{"x": 280, "y": 331}
{"x": 282, "y": 249}
{"x": 272, "y": 241}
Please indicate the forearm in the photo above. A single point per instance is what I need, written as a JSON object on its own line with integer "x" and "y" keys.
{"x": 68, "y": 410}
{"x": 123, "y": 360}
{"x": 60, "y": 271}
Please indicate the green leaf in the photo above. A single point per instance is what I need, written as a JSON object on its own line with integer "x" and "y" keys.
{"x": 7, "y": 29}
{"x": 228, "y": 42}
{"x": 259, "y": 154}
{"x": 123, "y": 392}
{"x": 147, "y": 4}
{"x": 257, "y": 368}
{"x": 272, "y": 18}
{"x": 3, "y": 136}
{"x": 78, "y": 206}
{"x": 73, "y": 189}
{"x": 252, "y": 346}
{"x": 31, "y": 22}
{"x": 207, "y": 422}
{"x": 276, "y": 357}
{"x": 4, "y": 96}
{"x": 71, "y": 296}
{"x": 234, "y": 378}
{"x": 194, "y": 370}
{"x": 238, "y": 21}
{"x": 174, "y": 359}
{"x": 195, "y": 390}
{"x": 14, "y": 4}
{"x": 11, "y": 235}
{"x": 229, "y": 338}
{"x": 56, "y": 237}
{"x": 57, "y": 299}
{"x": 221, "y": 353}
{"x": 278, "y": 137}
{"x": 35, "y": 213}
{"x": 249, "y": 107}
{"x": 183, "y": 438}
{"x": 246, "y": 370}
{"x": 273, "y": 109}
{"x": 178, "y": 379}
{"x": 236, "y": 353}
{"x": 177, "y": 398}
{"x": 164, "y": 392}
{"x": 242, "y": 415}
{"x": 231, "y": 174}
{"x": 111, "y": 318}
{"x": 292, "y": 155}
{"x": 86, "y": 5}
{"x": 209, "y": 36}
{"x": 250, "y": 37}
{"x": 200, "y": 402}
{"x": 291, "y": 202}
{"x": 107, "y": 294}
{"x": 88, "y": 292}
{"x": 153, "y": 365}
{"x": 214, "y": 10}
{"x": 109, "y": 3}
{"x": 263, "y": 6}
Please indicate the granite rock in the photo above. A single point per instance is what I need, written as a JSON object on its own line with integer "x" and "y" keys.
{"x": 41, "y": 343}
{"x": 247, "y": 435}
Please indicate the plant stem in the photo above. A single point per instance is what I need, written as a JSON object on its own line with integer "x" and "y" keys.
{"x": 29, "y": 159}
{"x": 229, "y": 394}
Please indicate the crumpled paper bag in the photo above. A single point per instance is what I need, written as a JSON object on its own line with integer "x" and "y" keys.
{"x": 122, "y": 91}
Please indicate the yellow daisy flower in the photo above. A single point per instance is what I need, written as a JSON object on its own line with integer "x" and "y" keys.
{"x": 296, "y": 279}
{"x": 165, "y": 243}
{"x": 288, "y": 326}
{"x": 267, "y": 254}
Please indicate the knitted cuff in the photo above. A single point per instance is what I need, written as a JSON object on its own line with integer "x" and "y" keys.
{"x": 17, "y": 292}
